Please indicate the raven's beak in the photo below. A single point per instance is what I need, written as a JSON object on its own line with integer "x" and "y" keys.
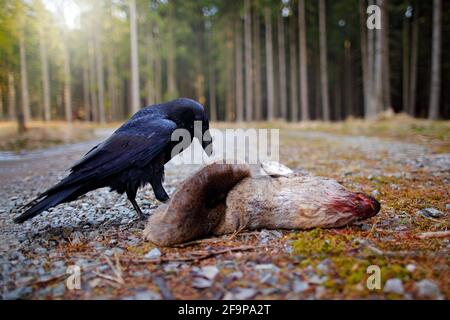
{"x": 207, "y": 143}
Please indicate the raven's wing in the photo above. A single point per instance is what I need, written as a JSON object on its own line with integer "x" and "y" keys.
{"x": 135, "y": 144}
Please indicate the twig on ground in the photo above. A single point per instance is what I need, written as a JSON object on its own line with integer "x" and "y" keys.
{"x": 434, "y": 234}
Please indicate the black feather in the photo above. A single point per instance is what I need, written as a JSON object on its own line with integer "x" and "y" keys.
{"x": 131, "y": 157}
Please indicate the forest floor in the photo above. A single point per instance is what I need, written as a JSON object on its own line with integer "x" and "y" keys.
{"x": 402, "y": 162}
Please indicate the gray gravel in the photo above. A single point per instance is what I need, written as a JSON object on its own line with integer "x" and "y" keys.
{"x": 28, "y": 252}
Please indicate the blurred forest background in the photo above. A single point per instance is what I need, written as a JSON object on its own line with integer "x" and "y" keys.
{"x": 245, "y": 60}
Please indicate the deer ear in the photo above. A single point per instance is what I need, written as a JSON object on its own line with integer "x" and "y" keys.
{"x": 275, "y": 169}
{"x": 196, "y": 207}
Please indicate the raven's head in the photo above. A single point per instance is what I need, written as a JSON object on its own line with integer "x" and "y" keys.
{"x": 191, "y": 115}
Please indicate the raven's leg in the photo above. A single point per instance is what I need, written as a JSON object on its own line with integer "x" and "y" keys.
{"x": 132, "y": 197}
{"x": 158, "y": 189}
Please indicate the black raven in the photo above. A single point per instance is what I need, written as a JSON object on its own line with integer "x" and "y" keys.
{"x": 134, "y": 155}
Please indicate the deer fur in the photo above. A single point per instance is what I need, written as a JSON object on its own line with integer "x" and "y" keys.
{"x": 223, "y": 198}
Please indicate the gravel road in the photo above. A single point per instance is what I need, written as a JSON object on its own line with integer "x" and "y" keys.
{"x": 31, "y": 253}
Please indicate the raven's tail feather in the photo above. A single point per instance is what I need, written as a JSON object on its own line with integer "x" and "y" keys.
{"x": 50, "y": 200}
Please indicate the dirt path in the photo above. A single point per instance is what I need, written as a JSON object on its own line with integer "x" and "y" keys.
{"x": 101, "y": 234}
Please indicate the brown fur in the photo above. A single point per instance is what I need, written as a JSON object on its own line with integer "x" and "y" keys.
{"x": 220, "y": 199}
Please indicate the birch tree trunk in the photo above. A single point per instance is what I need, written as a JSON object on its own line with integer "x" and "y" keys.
{"x": 45, "y": 74}
{"x": 11, "y": 97}
{"x": 25, "y": 111}
{"x": 269, "y": 65}
{"x": 282, "y": 67}
{"x": 303, "y": 62}
{"x": 248, "y": 62}
{"x": 293, "y": 71}
{"x": 135, "y": 103}
{"x": 435, "y": 90}
{"x": 239, "y": 75}
{"x": 323, "y": 61}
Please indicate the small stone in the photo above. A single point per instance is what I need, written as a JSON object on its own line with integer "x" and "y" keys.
{"x": 209, "y": 272}
{"x": 18, "y": 293}
{"x": 241, "y": 294}
{"x": 427, "y": 289}
{"x": 447, "y": 206}
{"x": 375, "y": 193}
{"x": 153, "y": 254}
{"x": 315, "y": 279}
{"x": 147, "y": 295}
{"x": 430, "y": 213}
{"x": 411, "y": 267}
{"x": 394, "y": 286}
{"x": 300, "y": 286}
{"x": 201, "y": 283}
{"x": 324, "y": 265}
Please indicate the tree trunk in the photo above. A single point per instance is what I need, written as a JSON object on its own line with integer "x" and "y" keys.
{"x": 239, "y": 76}
{"x": 303, "y": 62}
{"x": 435, "y": 90}
{"x": 171, "y": 82}
{"x": 230, "y": 97}
{"x": 364, "y": 58}
{"x": 371, "y": 106}
{"x": 248, "y": 62}
{"x": 112, "y": 83}
{"x": 67, "y": 85}
{"x": 257, "y": 66}
{"x": 386, "y": 81}
{"x": 92, "y": 80}
{"x": 100, "y": 81}
{"x": 45, "y": 75}
{"x": 378, "y": 76}
{"x": 158, "y": 67}
{"x": 86, "y": 92}
{"x": 406, "y": 67}
{"x": 269, "y": 65}
{"x": 11, "y": 97}
{"x": 323, "y": 61}
{"x": 150, "y": 85}
{"x": 348, "y": 78}
{"x": 212, "y": 81}
{"x": 414, "y": 54}
{"x": 337, "y": 99}
{"x": 1, "y": 104}
{"x": 293, "y": 71}
{"x": 25, "y": 111}
{"x": 135, "y": 101}
{"x": 282, "y": 67}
